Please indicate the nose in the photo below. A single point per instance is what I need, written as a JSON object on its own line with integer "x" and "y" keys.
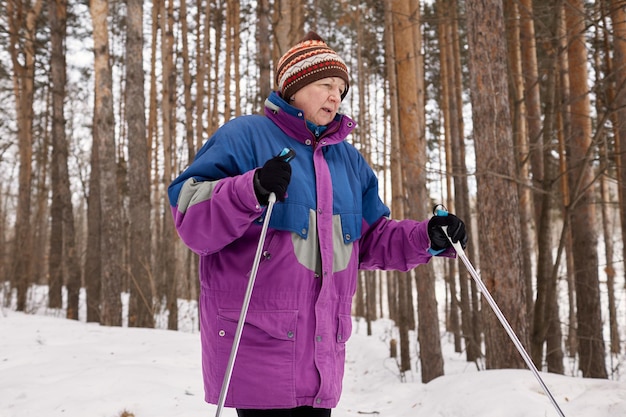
{"x": 335, "y": 95}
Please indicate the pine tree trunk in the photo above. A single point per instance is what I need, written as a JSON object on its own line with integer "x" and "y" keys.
{"x": 413, "y": 150}
{"x": 456, "y": 165}
{"x": 226, "y": 70}
{"x": 202, "y": 40}
{"x": 264, "y": 54}
{"x": 288, "y": 24}
{"x": 187, "y": 83}
{"x": 56, "y": 20}
{"x": 93, "y": 260}
{"x": 104, "y": 120}
{"x": 605, "y": 171}
{"x": 63, "y": 252}
{"x": 582, "y": 212}
{"x": 167, "y": 260}
{"x": 497, "y": 190}
{"x": 22, "y": 32}
{"x": 618, "y": 21}
{"x": 141, "y": 299}
{"x": 371, "y": 290}
{"x": 521, "y": 141}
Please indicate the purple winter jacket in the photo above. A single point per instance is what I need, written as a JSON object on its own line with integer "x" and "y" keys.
{"x": 331, "y": 224}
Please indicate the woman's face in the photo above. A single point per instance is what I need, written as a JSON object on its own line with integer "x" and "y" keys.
{"x": 320, "y": 100}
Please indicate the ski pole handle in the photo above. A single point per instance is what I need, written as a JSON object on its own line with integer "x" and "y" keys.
{"x": 440, "y": 210}
{"x": 287, "y": 154}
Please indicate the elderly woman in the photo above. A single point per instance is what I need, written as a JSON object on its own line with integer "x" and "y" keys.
{"x": 328, "y": 223}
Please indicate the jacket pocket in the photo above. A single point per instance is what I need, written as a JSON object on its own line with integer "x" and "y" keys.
{"x": 344, "y": 329}
{"x": 264, "y": 370}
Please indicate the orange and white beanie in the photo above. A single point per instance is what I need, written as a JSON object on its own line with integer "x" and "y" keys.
{"x": 309, "y": 60}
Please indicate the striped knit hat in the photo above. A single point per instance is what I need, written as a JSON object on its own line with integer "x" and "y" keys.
{"x": 308, "y": 61}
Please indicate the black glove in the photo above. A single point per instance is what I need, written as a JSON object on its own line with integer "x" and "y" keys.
{"x": 273, "y": 177}
{"x": 456, "y": 229}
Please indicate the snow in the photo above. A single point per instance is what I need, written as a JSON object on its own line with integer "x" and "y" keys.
{"x": 50, "y": 366}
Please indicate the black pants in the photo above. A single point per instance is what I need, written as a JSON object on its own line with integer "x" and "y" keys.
{"x": 287, "y": 412}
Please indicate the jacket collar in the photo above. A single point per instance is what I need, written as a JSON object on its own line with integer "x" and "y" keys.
{"x": 291, "y": 121}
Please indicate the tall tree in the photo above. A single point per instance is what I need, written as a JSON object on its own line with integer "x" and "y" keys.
{"x": 93, "y": 258}
{"x": 141, "y": 301}
{"x": 606, "y": 166}
{"x": 264, "y": 53}
{"x": 187, "y": 82}
{"x": 202, "y": 44}
{"x": 413, "y": 150}
{"x": 104, "y": 131}
{"x": 63, "y": 259}
{"x": 532, "y": 97}
{"x": 618, "y": 104}
{"x": 454, "y": 308}
{"x": 546, "y": 327}
{"x": 452, "y": 87}
{"x": 397, "y": 196}
{"x": 545, "y": 311}
{"x": 23, "y": 22}
{"x": 496, "y": 187}
{"x": 582, "y": 211}
{"x": 521, "y": 141}
{"x": 400, "y": 281}
{"x": 166, "y": 249}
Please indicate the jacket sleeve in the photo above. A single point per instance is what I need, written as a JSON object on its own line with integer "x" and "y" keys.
{"x": 209, "y": 215}
{"x": 394, "y": 245}
{"x": 390, "y": 244}
{"x": 213, "y": 201}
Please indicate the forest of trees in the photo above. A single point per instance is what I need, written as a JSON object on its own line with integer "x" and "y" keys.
{"x": 509, "y": 112}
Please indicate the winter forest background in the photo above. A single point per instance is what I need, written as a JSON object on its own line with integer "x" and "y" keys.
{"x": 509, "y": 112}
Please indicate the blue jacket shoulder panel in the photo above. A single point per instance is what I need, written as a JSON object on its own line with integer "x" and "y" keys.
{"x": 246, "y": 142}
{"x": 235, "y": 148}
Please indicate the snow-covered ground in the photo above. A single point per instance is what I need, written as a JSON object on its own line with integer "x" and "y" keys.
{"x": 50, "y": 366}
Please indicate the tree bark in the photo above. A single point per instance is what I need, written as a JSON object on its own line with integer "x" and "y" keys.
{"x": 22, "y": 34}
{"x": 521, "y": 142}
{"x": 167, "y": 261}
{"x": 264, "y": 53}
{"x": 142, "y": 285}
{"x": 618, "y": 105}
{"x": 63, "y": 252}
{"x": 496, "y": 185}
{"x": 582, "y": 210}
{"x": 104, "y": 120}
{"x": 93, "y": 260}
{"x": 413, "y": 150}
{"x": 456, "y": 165}
{"x": 288, "y": 24}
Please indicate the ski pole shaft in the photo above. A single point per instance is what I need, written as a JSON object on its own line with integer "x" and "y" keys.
{"x": 494, "y": 306}
{"x": 244, "y": 308}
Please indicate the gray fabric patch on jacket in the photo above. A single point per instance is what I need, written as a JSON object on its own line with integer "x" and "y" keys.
{"x": 307, "y": 250}
{"x": 194, "y": 192}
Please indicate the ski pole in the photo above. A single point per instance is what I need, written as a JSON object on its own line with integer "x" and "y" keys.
{"x": 494, "y": 306}
{"x": 287, "y": 155}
